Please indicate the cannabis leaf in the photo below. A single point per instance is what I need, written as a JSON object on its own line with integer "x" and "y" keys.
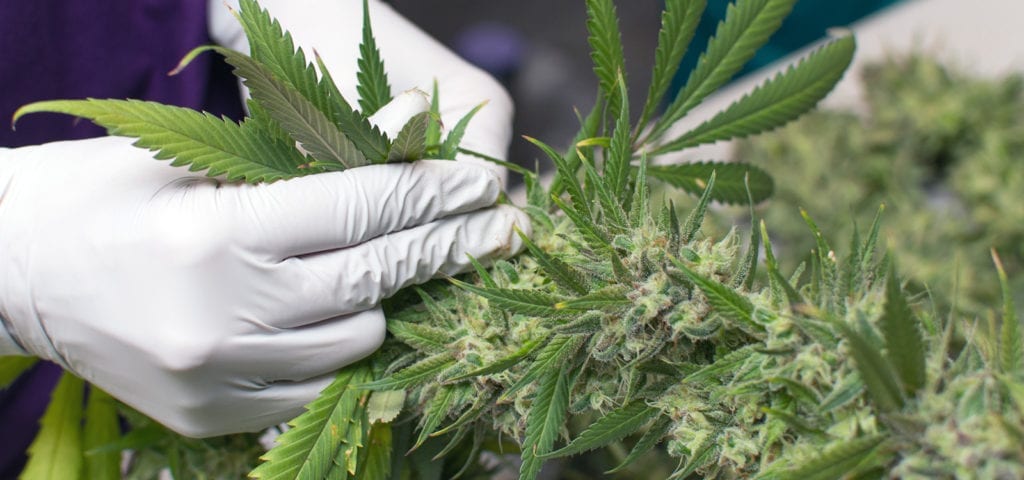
{"x": 777, "y": 101}
{"x": 416, "y": 374}
{"x": 451, "y": 142}
{"x": 1011, "y": 343}
{"x": 411, "y": 141}
{"x": 198, "y": 140}
{"x": 12, "y": 367}
{"x": 837, "y": 461}
{"x": 102, "y": 427}
{"x": 373, "y": 88}
{"x": 876, "y": 372}
{"x": 678, "y": 24}
{"x": 731, "y": 180}
{"x": 528, "y": 302}
{"x": 309, "y": 448}
{"x": 56, "y": 451}
{"x": 612, "y": 427}
{"x": 544, "y": 420}
{"x": 905, "y": 349}
{"x": 606, "y": 49}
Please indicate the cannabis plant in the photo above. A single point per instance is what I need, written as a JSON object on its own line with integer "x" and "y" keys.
{"x": 621, "y": 325}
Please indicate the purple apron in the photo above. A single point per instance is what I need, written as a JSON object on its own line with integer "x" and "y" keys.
{"x": 56, "y": 49}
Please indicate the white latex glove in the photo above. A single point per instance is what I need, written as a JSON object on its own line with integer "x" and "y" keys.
{"x": 412, "y": 58}
{"x": 218, "y": 308}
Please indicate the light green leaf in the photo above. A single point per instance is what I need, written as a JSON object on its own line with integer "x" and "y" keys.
{"x": 294, "y": 113}
{"x": 639, "y": 211}
{"x": 678, "y": 23}
{"x": 12, "y": 367}
{"x": 696, "y": 217}
{"x": 748, "y": 25}
{"x": 375, "y": 463}
{"x": 411, "y": 142}
{"x": 650, "y": 438}
{"x": 307, "y": 451}
{"x": 102, "y": 427}
{"x": 506, "y": 362}
{"x": 434, "y": 121}
{"x": 619, "y": 155}
{"x": 425, "y": 338}
{"x": 905, "y": 349}
{"x": 199, "y": 140}
{"x": 373, "y": 88}
{"x": 545, "y": 420}
{"x": 56, "y": 452}
{"x": 605, "y": 298}
{"x": 416, "y": 374}
{"x": 876, "y": 373}
{"x": 837, "y": 461}
{"x": 613, "y": 426}
{"x": 777, "y": 101}
{"x": 1011, "y": 345}
{"x": 451, "y": 142}
{"x": 606, "y": 49}
{"x": 724, "y": 300}
{"x": 730, "y": 180}
{"x": 527, "y": 302}
{"x": 384, "y": 406}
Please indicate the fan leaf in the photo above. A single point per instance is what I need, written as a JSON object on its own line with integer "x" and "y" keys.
{"x": 730, "y": 180}
{"x": 374, "y": 90}
{"x": 610, "y": 428}
{"x": 545, "y": 420}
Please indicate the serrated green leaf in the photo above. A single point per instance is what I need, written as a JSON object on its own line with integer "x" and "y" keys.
{"x": 374, "y": 90}
{"x": 199, "y": 140}
{"x": 471, "y": 414}
{"x": 848, "y": 389}
{"x": 506, "y": 362}
{"x": 558, "y": 271}
{"x": 545, "y": 420}
{"x": 777, "y": 101}
{"x": 309, "y": 449}
{"x": 415, "y": 374}
{"x": 102, "y": 427}
{"x": 724, "y": 300}
{"x": 481, "y": 271}
{"x": 384, "y": 406}
{"x": 434, "y": 121}
{"x": 748, "y": 25}
{"x": 619, "y": 154}
{"x": 411, "y": 141}
{"x": 56, "y": 452}
{"x": 613, "y": 214}
{"x": 640, "y": 207}
{"x": 567, "y": 174}
{"x": 876, "y": 373}
{"x": 647, "y": 442}
{"x": 439, "y": 314}
{"x": 369, "y": 139}
{"x": 678, "y": 24}
{"x": 606, "y": 49}
{"x": 425, "y": 338}
{"x": 696, "y": 217}
{"x": 296, "y": 115}
{"x": 730, "y": 180}
{"x": 905, "y": 349}
{"x": 593, "y": 234}
{"x": 701, "y": 455}
{"x": 527, "y": 302}
{"x": 12, "y": 367}
{"x": 589, "y": 128}
{"x": 608, "y": 297}
{"x": 613, "y": 426}
{"x": 552, "y": 357}
{"x": 837, "y": 461}
{"x": 1011, "y": 345}
{"x": 442, "y": 402}
{"x": 748, "y": 268}
{"x": 451, "y": 142}
{"x": 798, "y": 424}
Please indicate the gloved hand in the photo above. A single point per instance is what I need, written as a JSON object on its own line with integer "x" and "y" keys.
{"x": 412, "y": 58}
{"x": 218, "y": 308}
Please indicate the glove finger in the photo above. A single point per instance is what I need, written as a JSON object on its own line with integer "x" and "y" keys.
{"x": 356, "y": 278}
{"x": 337, "y": 210}
{"x": 304, "y": 352}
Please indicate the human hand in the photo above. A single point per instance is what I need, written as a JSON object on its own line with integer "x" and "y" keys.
{"x": 218, "y": 308}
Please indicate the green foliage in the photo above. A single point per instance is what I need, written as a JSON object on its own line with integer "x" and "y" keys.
{"x": 411, "y": 141}
{"x": 373, "y": 88}
{"x": 678, "y": 24}
{"x": 101, "y": 428}
{"x": 56, "y": 451}
{"x": 12, "y": 367}
{"x": 606, "y": 50}
{"x": 731, "y": 180}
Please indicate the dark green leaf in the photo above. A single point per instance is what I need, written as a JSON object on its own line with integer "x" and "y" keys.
{"x": 678, "y": 24}
{"x": 730, "y": 180}
{"x": 562, "y": 274}
{"x": 777, "y": 101}
{"x": 373, "y": 88}
{"x": 619, "y": 154}
{"x": 411, "y": 141}
{"x": 606, "y": 49}
{"x": 695, "y": 219}
{"x": 837, "y": 461}
{"x": 557, "y": 353}
{"x": 723, "y": 299}
{"x": 425, "y": 338}
{"x": 650, "y": 438}
{"x": 375, "y": 463}
{"x": 416, "y": 374}
{"x": 545, "y": 420}
{"x": 905, "y": 349}
{"x": 613, "y": 426}
{"x": 527, "y": 302}
{"x": 451, "y": 142}
{"x": 608, "y": 297}
{"x": 568, "y": 176}
{"x": 506, "y": 362}
{"x": 877, "y": 374}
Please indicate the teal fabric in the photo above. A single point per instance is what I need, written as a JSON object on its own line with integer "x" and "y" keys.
{"x": 808, "y": 22}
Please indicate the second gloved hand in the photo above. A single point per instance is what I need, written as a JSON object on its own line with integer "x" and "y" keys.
{"x": 218, "y": 308}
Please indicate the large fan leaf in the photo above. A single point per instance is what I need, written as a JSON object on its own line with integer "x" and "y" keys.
{"x": 102, "y": 427}
{"x": 527, "y": 302}
{"x": 747, "y": 26}
{"x": 838, "y": 461}
{"x": 56, "y": 451}
{"x": 776, "y": 102}
{"x": 308, "y": 449}
{"x": 374, "y": 90}
{"x": 731, "y": 180}
{"x": 678, "y": 24}
{"x": 294, "y": 113}
{"x": 416, "y": 374}
{"x": 545, "y": 420}
{"x": 619, "y": 154}
{"x": 199, "y": 140}
{"x": 610, "y": 428}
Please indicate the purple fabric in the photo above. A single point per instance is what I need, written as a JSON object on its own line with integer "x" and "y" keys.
{"x": 58, "y": 49}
